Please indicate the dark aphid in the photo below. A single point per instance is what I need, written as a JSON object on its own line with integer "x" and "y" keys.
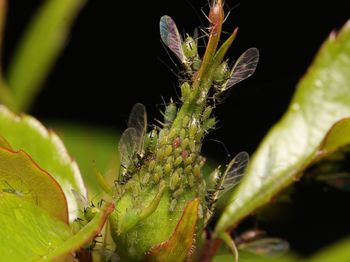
{"x": 131, "y": 143}
{"x": 219, "y": 184}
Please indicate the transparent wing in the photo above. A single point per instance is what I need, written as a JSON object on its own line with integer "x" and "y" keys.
{"x": 127, "y": 146}
{"x": 234, "y": 172}
{"x": 138, "y": 121}
{"x": 171, "y": 37}
{"x": 82, "y": 201}
{"x": 244, "y": 67}
{"x": 266, "y": 247}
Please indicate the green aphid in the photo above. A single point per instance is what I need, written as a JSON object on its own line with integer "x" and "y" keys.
{"x": 190, "y": 159}
{"x": 188, "y": 170}
{"x": 209, "y": 124}
{"x": 192, "y": 145}
{"x": 206, "y": 113}
{"x": 158, "y": 174}
{"x": 150, "y": 141}
{"x": 182, "y": 133}
{"x": 170, "y": 114}
{"x": 184, "y": 144}
{"x": 185, "y": 121}
{"x": 185, "y": 91}
{"x": 173, "y": 133}
{"x": 178, "y": 152}
{"x": 190, "y": 50}
{"x": 178, "y": 192}
{"x": 222, "y": 73}
{"x": 89, "y": 209}
{"x": 172, "y": 205}
{"x": 174, "y": 180}
{"x": 163, "y": 136}
{"x": 189, "y": 47}
{"x": 167, "y": 150}
{"x": 168, "y": 168}
{"x": 193, "y": 129}
{"x": 178, "y": 161}
{"x": 191, "y": 180}
{"x": 146, "y": 178}
{"x": 197, "y": 170}
{"x": 151, "y": 165}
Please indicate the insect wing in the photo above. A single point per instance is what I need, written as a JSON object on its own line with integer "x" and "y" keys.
{"x": 82, "y": 201}
{"x": 138, "y": 121}
{"x": 266, "y": 247}
{"x": 234, "y": 172}
{"x": 127, "y": 146}
{"x": 171, "y": 37}
{"x": 243, "y": 68}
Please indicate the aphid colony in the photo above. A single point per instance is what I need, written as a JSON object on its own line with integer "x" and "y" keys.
{"x": 171, "y": 152}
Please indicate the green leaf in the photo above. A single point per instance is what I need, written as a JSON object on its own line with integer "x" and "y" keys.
{"x": 322, "y": 98}
{"x": 21, "y": 176}
{"x": 29, "y": 233}
{"x": 40, "y": 46}
{"x": 46, "y": 149}
{"x": 178, "y": 247}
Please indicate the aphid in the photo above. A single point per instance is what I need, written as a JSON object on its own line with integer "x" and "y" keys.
{"x": 10, "y": 189}
{"x": 243, "y": 68}
{"x": 170, "y": 114}
{"x": 89, "y": 209}
{"x": 186, "y": 51}
{"x": 131, "y": 142}
{"x": 150, "y": 141}
{"x": 176, "y": 142}
{"x": 256, "y": 242}
{"x": 223, "y": 183}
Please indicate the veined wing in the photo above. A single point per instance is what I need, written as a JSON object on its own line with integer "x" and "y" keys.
{"x": 233, "y": 173}
{"x": 266, "y": 247}
{"x": 138, "y": 121}
{"x": 171, "y": 37}
{"x": 244, "y": 67}
{"x": 82, "y": 201}
{"x": 127, "y": 146}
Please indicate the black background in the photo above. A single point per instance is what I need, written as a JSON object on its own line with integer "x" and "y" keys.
{"x": 112, "y": 61}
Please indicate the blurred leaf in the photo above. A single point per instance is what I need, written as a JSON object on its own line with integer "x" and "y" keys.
{"x": 5, "y": 93}
{"x": 178, "y": 247}
{"x": 88, "y": 144}
{"x": 29, "y": 233}
{"x": 322, "y": 98}
{"x": 39, "y": 48}
{"x": 21, "y": 176}
{"x": 46, "y": 149}
{"x": 339, "y": 252}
